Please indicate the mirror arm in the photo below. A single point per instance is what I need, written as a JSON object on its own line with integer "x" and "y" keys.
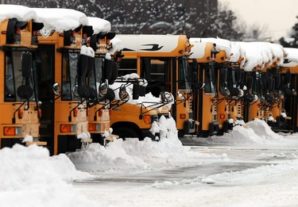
{"x": 69, "y": 115}
{"x": 14, "y": 113}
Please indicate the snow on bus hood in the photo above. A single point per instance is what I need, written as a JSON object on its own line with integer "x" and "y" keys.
{"x": 291, "y": 56}
{"x": 60, "y": 20}
{"x": 30, "y": 177}
{"x": 99, "y": 25}
{"x": 147, "y": 100}
{"x": 22, "y": 13}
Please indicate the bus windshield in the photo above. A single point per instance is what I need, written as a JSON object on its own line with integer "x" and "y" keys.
{"x": 14, "y": 79}
{"x": 70, "y": 79}
{"x": 184, "y": 76}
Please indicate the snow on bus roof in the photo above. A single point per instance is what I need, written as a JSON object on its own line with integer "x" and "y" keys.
{"x": 99, "y": 25}
{"x": 291, "y": 56}
{"x": 116, "y": 45}
{"x": 22, "y": 13}
{"x": 198, "y": 49}
{"x": 60, "y": 19}
{"x": 221, "y": 44}
{"x": 253, "y": 56}
{"x": 260, "y": 54}
{"x": 149, "y": 43}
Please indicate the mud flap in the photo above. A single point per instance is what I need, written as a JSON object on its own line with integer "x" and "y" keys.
{"x": 213, "y": 128}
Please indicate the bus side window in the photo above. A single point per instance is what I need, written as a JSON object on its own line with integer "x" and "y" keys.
{"x": 127, "y": 66}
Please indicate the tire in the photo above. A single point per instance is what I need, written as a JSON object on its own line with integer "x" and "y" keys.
{"x": 125, "y": 132}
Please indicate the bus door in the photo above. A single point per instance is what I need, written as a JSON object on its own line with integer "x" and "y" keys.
{"x": 45, "y": 73}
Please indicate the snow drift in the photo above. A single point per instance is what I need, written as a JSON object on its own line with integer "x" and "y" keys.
{"x": 256, "y": 133}
{"x": 134, "y": 156}
{"x": 30, "y": 177}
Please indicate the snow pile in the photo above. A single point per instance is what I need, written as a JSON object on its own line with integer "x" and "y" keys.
{"x": 59, "y": 20}
{"x": 262, "y": 129}
{"x": 22, "y": 13}
{"x": 30, "y": 177}
{"x": 262, "y": 174}
{"x": 255, "y": 132}
{"x": 134, "y": 156}
{"x": 99, "y": 25}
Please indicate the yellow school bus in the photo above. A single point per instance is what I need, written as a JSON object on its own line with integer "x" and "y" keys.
{"x": 104, "y": 74}
{"x": 70, "y": 64}
{"x": 19, "y": 103}
{"x": 262, "y": 65}
{"x": 202, "y": 60}
{"x": 161, "y": 60}
{"x": 253, "y": 66}
{"x": 289, "y": 73}
{"x": 219, "y": 104}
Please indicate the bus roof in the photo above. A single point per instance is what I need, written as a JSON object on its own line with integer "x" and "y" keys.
{"x": 60, "y": 20}
{"x": 22, "y": 13}
{"x": 154, "y": 45}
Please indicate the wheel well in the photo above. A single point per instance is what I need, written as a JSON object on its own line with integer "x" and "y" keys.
{"x": 128, "y": 125}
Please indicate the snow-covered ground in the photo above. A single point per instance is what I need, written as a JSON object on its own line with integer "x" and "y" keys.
{"x": 250, "y": 166}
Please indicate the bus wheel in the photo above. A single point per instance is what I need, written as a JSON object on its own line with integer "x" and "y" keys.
{"x": 124, "y": 132}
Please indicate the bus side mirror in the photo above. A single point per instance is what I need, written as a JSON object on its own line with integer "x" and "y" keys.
{"x": 123, "y": 94}
{"x": 166, "y": 97}
{"x": 26, "y": 64}
{"x": 102, "y": 90}
{"x": 56, "y": 89}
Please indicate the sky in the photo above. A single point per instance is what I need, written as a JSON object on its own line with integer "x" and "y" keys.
{"x": 277, "y": 16}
